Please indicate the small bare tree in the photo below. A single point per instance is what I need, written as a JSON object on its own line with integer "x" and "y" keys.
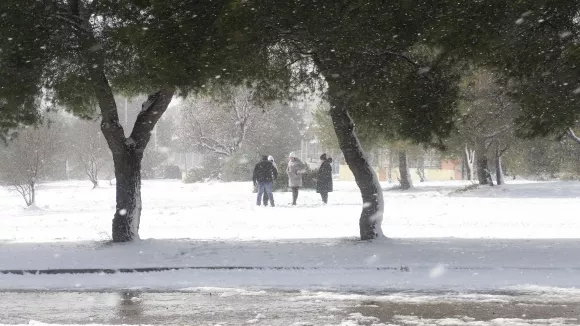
{"x": 88, "y": 146}
{"x": 217, "y": 126}
{"x": 26, "y": 158}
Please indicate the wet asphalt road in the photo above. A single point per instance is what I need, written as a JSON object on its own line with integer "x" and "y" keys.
{"x": 272, "y": 308}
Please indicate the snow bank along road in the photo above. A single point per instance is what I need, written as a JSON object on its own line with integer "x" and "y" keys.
{"x": 515, "y": 237}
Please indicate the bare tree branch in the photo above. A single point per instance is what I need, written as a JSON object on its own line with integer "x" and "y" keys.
{"x": 151, "y": 112}
{"x": 218, "y": 127}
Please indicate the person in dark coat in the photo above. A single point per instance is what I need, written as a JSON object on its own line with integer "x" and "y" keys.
{"x": 324, "y": 178}
{"x": 271, "y": 159}
{"x": 264, "y": 175}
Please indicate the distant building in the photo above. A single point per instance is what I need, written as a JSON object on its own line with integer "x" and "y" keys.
{"x": 385, "y": 162}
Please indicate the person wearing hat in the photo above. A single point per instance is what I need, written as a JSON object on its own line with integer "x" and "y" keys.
{"x": 264, "y": 175}
{"x": 324, "y": 178}
{"x": 271, "y": 160}
{"x": 295, "y": 170}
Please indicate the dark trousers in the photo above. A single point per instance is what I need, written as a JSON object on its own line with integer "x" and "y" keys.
{"x": 324, "y": 196}
{"x": 294, "y": 195}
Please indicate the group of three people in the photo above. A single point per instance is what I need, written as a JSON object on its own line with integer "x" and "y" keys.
{"x": 266, "y": 171}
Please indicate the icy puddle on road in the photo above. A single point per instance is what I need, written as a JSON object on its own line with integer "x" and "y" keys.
{"x": 209, "y": 306}
{"x": 465, "y": 314}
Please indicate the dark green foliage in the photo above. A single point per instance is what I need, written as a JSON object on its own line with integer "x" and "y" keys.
{"x": 539, "y": 54}
{"x": 398, "y": 83}
{"x": 21, "y": 61}
{"x": 309, "y": 179}
{"x": 398, "y": 61}
{"x": 143, "y": 46}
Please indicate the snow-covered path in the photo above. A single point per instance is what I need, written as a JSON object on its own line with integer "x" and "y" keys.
{"x": 399, "y": 264}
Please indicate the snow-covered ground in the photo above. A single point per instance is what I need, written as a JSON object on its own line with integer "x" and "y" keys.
{"x": 522, "y": 237}
{"x": 71, "y": 211}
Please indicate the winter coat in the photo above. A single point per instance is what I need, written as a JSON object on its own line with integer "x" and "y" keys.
{"x": 264, "y": 171}
{"x": 324, "y": 178}
{"x": 295, "y": 170}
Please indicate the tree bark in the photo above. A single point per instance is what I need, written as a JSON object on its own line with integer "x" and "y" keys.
{"x": 372, "y": 194}
{"x": 464, "y": 169}
{"x": 483, "y": 174}
{"x": 404, "y": 171}
{"x": 128, "y": 196}
{"x": 32, "y": 194}
{"x": 421, "y": 167}
{"x": 498, "y": 168}
{"x": 469, "y": 156}
{"x": 390, "y": 173}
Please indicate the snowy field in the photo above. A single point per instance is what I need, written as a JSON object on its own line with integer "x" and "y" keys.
{"x": 518, "y": 237}
{"x": 71, "y": 211}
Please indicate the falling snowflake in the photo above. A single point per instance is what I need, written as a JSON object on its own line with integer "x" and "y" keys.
{"x": 424, "y": 70}
{"x": 437, "y": 271}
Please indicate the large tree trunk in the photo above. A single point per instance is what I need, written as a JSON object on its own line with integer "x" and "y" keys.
{"x": 127, "y": 151}
{"x": 127, "y": 156}
{"x": 372, "y": 195}
{"x": 498, "y": 168}
{"x": 339, "y": 97}
{"x": 404, "y": 171}
{"x": 128, "y": 187}
{"x": 483, "y": 174}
